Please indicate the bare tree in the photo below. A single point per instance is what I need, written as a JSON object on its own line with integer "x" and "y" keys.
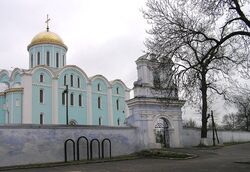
{"x": 243, "y": 105}
{"x": 234, "y": 12}
{"x": 190, "y": 123}
{"x": 230, "y": 121}
{"x": 203, "y": 53}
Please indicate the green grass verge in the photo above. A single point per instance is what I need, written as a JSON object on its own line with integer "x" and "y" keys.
{"x": 233, "y": 143}
{"x": 163, "y": 153}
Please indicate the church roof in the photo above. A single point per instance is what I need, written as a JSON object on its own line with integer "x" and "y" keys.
{"x": 47, "y": 37}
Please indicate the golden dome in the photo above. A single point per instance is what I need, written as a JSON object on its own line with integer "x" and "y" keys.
{"x": 47, "y": 37}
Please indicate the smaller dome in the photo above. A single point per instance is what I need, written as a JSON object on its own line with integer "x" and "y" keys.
{"x": 47, "y": 37}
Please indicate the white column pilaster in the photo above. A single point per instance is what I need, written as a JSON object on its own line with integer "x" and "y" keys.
{"x": 127, "y": 97}
{"x": 110, "y": 107}
{"x": 54, "y": 101}
{"x": 89, "y": 104}
{"x": 27, "y": 99}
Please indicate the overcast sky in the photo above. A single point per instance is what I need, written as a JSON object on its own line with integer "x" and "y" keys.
{"x": 103, "y": 36}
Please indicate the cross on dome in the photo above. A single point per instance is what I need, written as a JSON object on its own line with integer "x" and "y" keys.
{"x": 47, "y": 21}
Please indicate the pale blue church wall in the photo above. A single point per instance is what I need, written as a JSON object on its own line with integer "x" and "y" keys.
{"x": 2, "y": 111}
{"x": 76, "y": 112}
{"x": 44, "y": 108}
{"x": 53, "y": 49}
{"x": 14, "y": 101}
{"x": 120, "y": 96}
{"x": 121, "y": 89}
{"x": 103, "y": 111}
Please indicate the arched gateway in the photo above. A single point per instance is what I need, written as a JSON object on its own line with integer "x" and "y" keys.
{"x": 156, "y": 113}
{"x": 161, "y": 132}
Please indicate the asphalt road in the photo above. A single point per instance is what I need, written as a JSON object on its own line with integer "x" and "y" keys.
{"x": 218, "y": 160}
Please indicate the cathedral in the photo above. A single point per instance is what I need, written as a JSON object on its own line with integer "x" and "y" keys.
{"x": 52, "y": 92}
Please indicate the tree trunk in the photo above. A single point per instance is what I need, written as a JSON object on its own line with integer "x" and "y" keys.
{"x": 204, "y": 106}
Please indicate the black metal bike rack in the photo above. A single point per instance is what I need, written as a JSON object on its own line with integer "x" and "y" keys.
{"x": 91, "y": 148}
{"x": 78, "y": 147}
{"x": 108, "y": 140}
{"x": 65, "y": 149}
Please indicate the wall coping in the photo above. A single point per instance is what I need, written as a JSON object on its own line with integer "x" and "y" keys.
{"x": 56, "y": 126}
{"x": 220, "y": 130}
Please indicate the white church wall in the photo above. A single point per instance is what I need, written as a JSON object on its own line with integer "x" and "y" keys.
{"x": 29, "y": 144}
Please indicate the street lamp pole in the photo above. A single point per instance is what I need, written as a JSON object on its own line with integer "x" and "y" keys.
{"x": 66, "y": 91}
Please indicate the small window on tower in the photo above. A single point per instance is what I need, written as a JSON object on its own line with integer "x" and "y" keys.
{"x": 31, "y": 60}
{"x": 71, "y": 80}
{"x": 78, "y": 82}
{"x": 38, "y": 58}
{"x": 63, "y": 60}
{"x": 57, "y": 59}
{"x": 117, "y": 90}
{"x": 48, "y": 58}
{"x": 65, "y": 80}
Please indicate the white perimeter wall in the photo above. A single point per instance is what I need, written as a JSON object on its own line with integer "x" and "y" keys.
{"x": 29, "y": 144}
{"x": 191, "y": 136}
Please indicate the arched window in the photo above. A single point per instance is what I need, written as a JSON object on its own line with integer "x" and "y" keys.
{"x": 41, "y": 78}
{"x": 63, "y": 98}
{"x": 41, "y": 118}
{"x": 38, "y": 58}
{"x": 117, "y": 104}
{"x": 118, "y": 121}
{"x": 57, "y": 59}
{"x": 65, "y": 80}
{"x": 100, "y": 120}
{"x": 117, "y": 90}
{"x": 72, "y": 99}
{"x": 41, "y": 96}
{"x": 99, "y": 102}
{"x": 63, "y": 60}
{"x": 71, "y": 80}
{"x": 98, "y": 87}
{"x": 78, "y": 82}
{"x": 31, "y": 60}
{"x": 80, "y": 100}
{"x": 48, "y": 58}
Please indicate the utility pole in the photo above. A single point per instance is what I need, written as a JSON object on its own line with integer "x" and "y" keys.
{"x": 66, "y": 91}
{"x": 213, "y": 126}
{"x": 214, "y": 129}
